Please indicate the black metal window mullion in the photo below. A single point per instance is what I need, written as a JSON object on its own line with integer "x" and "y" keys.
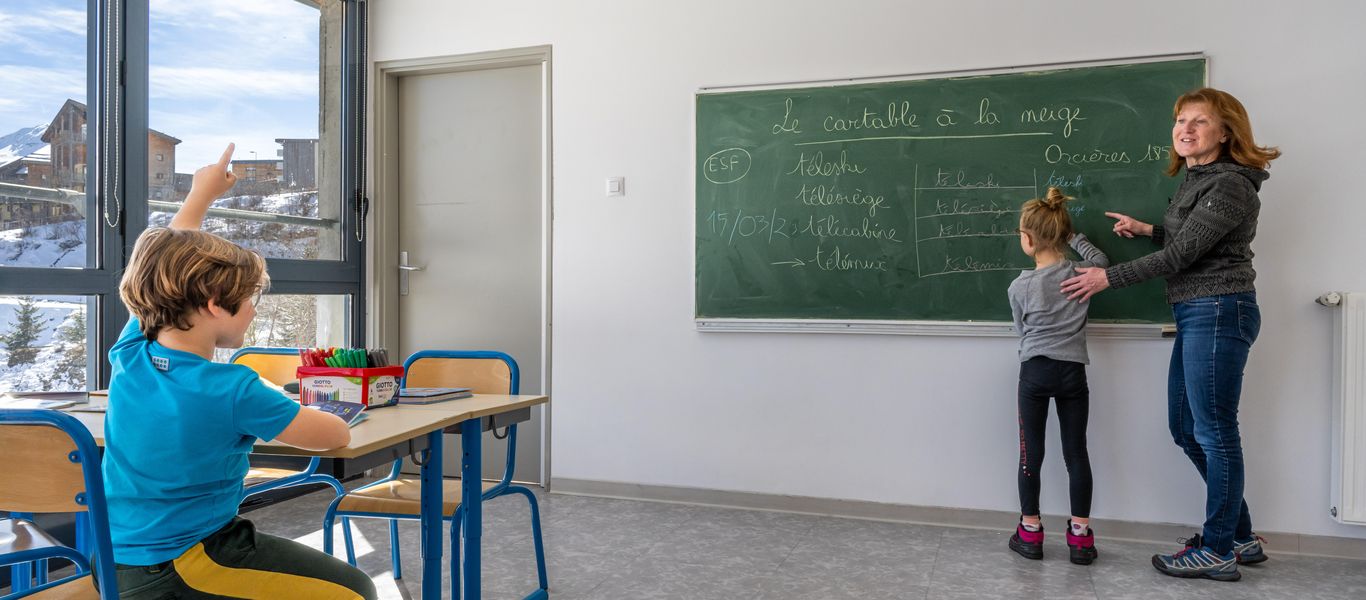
{"x": 107, "y": 209}
{"x": 124, "y": 212}
{"x": 356, "y": 205}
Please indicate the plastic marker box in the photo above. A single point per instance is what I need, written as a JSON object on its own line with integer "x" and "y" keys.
{"x": 371, "y": 387}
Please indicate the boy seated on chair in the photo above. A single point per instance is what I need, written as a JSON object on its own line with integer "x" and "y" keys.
{"x": 179, "y": 426}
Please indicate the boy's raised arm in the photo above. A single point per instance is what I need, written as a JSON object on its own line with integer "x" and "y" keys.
{"x": 209, "y": 182}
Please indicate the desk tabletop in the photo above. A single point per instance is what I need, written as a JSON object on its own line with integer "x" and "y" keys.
{"x": 385, "y": 426}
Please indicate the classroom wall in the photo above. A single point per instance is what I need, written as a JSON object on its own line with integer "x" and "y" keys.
{"x": 640, "y": 396}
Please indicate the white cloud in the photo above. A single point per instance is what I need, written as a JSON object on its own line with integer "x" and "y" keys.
{"x": 34, "y": 33}
{"x": 182, "y": 83}
{"x": 20, "y": 81}
{"x": 228, "y": 14}
{"x": 14, "y": 26}
{"x": 259, "y": 30}
{"x": 32, "y": 95}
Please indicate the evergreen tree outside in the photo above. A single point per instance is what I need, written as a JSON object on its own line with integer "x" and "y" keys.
{"x": 69, "y": 372}
{"x": 24, "y": 332}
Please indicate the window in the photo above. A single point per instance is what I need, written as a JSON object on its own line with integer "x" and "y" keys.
{"x": 43, "y": 342}
{"x": 298, "y": 321}
{"x": 43, "y": 75}
{"x": 69, "y": 213}
{"x": 197, "y": 54}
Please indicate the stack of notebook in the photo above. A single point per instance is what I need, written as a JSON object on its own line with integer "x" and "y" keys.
{"x": 428, "y": 395}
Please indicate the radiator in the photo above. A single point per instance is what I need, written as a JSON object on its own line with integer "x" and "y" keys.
{"x": 1349, "y": 406}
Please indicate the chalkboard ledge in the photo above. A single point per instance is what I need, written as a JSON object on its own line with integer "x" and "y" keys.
{"x": 1144, "y": 331}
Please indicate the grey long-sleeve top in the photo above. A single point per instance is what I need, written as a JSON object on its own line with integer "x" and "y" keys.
{"x": 1048, "y": 323}
{"x": 1206, "y": 235}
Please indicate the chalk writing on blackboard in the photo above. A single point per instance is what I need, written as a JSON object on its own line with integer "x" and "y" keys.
{"x": 901, "y": 199}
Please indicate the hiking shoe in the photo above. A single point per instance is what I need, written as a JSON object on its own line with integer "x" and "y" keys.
{"x": 1198, "y": 561}
{"x": 1081, "y": 548}
{"x": 1250, "y": 551}
{"x": 1026, "y": 543}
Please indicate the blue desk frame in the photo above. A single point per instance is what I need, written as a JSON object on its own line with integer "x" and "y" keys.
{"x": 431, "y": 518}
{"x": 472, "y": 499}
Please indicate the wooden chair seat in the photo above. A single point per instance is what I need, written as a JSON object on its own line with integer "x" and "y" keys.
{"x": 402, "y": 497}
{"x": 76, "y": 589}
{"x": 260, "y": 475}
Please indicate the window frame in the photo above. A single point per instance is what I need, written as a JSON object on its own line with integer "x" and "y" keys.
{"x": 123, "y": 24}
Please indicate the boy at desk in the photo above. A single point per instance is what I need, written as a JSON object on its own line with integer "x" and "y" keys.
{"x": 180, "y": 426}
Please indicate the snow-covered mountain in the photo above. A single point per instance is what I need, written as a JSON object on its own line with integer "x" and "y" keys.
{"x": 21, "y": 143}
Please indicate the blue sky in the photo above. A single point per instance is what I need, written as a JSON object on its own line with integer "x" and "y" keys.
{"x": 244, "y": 71}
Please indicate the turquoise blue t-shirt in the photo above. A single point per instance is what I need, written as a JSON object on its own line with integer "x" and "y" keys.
{"x": 177, "y": 435}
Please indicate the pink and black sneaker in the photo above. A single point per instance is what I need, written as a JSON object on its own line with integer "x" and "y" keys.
{"x": 1026, "y": 543}
{"x": 1082, "y": 548}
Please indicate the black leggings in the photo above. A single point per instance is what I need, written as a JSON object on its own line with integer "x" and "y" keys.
{"x": 1042, "y": 378}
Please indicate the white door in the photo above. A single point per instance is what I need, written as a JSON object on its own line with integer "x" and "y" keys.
{"x": 472, "y": 216}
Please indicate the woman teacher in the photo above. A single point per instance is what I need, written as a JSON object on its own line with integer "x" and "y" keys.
{"x": 1206, "y": 257}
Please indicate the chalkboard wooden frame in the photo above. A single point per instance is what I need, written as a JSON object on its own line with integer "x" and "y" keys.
{"x": 985, "y": 328}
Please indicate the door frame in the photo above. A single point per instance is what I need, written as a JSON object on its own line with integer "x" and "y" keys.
{"x": 381, "y": 258}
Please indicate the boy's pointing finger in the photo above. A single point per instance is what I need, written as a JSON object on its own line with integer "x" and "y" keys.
{"x": 227, "y": 156}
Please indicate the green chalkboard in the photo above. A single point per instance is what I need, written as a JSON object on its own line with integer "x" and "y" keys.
{"x": 899, "y": 200}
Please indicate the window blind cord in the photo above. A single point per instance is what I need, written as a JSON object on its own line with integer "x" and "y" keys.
{"x": 109, "y": 126}
{"x": 360, "y": 201}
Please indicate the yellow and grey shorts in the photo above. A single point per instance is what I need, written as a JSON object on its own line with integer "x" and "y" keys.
{"x": 238, "y": 562}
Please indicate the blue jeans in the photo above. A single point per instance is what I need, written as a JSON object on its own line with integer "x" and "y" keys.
{"x": 1213, "y": 337}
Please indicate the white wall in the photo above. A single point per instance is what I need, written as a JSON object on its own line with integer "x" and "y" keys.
{"x": 641, "y": 396}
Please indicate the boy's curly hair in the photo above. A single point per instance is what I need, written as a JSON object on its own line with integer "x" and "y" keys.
{"x": 174, "y": 272}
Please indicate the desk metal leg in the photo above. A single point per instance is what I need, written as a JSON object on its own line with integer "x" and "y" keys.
{"x": 472, "y": 492}
{"x": 431, "y": 518}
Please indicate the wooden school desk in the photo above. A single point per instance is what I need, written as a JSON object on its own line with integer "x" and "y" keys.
{"x": 404, "y": 430}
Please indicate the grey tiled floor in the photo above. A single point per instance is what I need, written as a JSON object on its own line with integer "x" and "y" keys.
{"x": 620, "y": 549}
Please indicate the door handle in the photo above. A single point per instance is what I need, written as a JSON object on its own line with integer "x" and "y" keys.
{"x": 403, "y": 263}
{"x": 403, "y": 270}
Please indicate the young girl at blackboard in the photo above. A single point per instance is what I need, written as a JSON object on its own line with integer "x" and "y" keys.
{"x": 1052, "y": 365}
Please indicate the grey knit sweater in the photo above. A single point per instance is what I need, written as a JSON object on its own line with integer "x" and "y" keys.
{"x": 1048, "y": 323}
{"x": 1206, "y": 235}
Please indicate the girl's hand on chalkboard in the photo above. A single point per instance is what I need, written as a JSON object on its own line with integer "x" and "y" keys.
{"x": 1091, "y": 281}
{"x": 1128, "y": 227}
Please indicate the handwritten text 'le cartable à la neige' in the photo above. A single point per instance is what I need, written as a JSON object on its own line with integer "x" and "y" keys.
{"x": 901, "y": 120}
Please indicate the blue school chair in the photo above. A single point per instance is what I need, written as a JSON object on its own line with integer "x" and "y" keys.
{"x": 279, "y": 366}
{"x": 52, "y": 465}
{"x": 398, "y": 498}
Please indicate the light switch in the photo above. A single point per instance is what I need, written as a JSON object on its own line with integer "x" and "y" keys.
{"x": 616, "y": 186}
